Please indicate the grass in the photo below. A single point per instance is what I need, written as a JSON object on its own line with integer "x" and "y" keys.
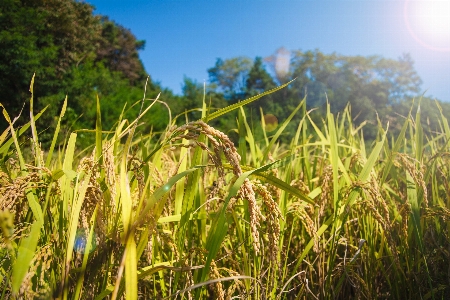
{"x": 186, "y": 214}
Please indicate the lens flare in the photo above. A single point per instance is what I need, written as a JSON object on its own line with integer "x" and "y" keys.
{"x": 81, "y": 240}
{"x": 428, "y": 22}
{"x": 271, "y": 122}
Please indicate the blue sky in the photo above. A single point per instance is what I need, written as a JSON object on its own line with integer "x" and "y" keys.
{"x": 185, "y": 37}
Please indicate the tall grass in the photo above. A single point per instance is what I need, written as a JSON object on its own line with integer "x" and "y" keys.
{"x": 187, "y": 214}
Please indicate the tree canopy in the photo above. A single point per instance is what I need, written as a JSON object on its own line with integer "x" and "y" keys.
{"x": 370, "y": 84}
{"x": 72, "y": 52}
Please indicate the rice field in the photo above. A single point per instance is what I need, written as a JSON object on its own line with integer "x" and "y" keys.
{"x": 190, "y": 214}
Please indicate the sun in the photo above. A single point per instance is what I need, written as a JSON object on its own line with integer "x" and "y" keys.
{"x": 428, "y": 22}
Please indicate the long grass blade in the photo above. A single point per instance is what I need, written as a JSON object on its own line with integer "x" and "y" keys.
{"x": 6, "y": 145}
{"x": 27, "y": 249}
{"x": 232, "y": 107}
{"x": 55, "y": 135}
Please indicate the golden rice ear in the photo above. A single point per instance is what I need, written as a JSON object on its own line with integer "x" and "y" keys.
{"x": 272, "y": 222}
{"x": 417, "y": 170}
{"x": 222, "y": 144}
{"x": 6, "y": 224}
{"x": 219, "y": 293}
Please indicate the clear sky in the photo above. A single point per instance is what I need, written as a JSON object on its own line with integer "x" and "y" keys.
{"x": 185, "y": 37}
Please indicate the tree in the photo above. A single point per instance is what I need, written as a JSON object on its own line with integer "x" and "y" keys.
{"x": 230, "y": 76}
{"x": 193, "y": 94}
{"x": 370, "y": 84}
{"x": 400, "y": 77}
{"x": 62, "y": 42}
{"x": 258, "y": 79}
{"x": 40, "y": 37}
{"x": 118, "y": 50}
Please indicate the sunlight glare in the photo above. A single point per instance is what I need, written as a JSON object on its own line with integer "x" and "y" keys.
{"x": 428, "y": 22}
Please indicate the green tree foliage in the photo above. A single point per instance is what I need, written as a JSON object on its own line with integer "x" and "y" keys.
{"x": 229, "y": 76}
{"x": 118, "y": 50}
{"x": 372, "y": 85}
{"x": 192, "y": 96}
{"x": 40, "y": 37}
{"x": 192, "y": 100}
{"x": 73, "y": 53}
{"x": 258, "y": 81}
{"x": 351, "y": 78}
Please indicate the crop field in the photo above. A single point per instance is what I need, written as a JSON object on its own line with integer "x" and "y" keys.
{"x": 192, "y": 213}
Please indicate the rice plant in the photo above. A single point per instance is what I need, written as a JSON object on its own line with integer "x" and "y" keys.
{"x": 188, "y": 214}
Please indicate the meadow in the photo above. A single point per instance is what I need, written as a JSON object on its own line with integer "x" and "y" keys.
{"x": 189, "y": 214}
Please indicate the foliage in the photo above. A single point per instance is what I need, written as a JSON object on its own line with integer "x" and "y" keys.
{"x": 372, "y": 85}
{"x": 194, "y": 95}
{"x": 258, "y": 81}
{"x": 118, "y": 50}
{"x": 71, "y": 51}
{"x": 39, "y": 36}
{"x": 230, "y": 76}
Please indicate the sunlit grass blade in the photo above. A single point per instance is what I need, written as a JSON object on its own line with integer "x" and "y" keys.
{"x": 34, "y": 205}
{"x": 66, "y": 181}
{"x": 14, "y": 139}
{"x": 55, "y": 135}
{"x": 131, "y": 282}
{"x": 263, "y": 125}
{"x": 98, "y": 133}
{"x": 146, "y": 271}
{"x": 334, "y": 156}
{"x": 129, "y": 256}
{"x": 398, "y": 143}
{"x": 25, "y": 254}
{"x": 105, "y": 293}
{"x": 82, "y": 183}
{"x": 179, "y": 192}
{"x": 37, "y": 149}
{"x": 3, "y": 136}
{"x": 232, "y": 107}
{"x": 277, "y": 182}
{"x": 6, "y": 145}
{"x": 246, "y": 136}
{"x": 418, "y": 135}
